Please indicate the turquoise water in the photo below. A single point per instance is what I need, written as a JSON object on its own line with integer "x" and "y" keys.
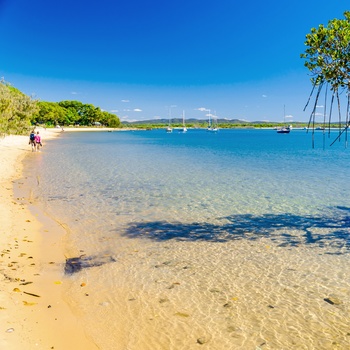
{"x": 230, "y": 182}
{"x": 236, "y": 236}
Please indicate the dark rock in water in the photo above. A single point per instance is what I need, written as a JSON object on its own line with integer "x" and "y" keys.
{"x": 202, "y": 340}
{"x": 74, "y": 265}
{"x": 228, "y": 304}
{"x": 333, "y": 301}
{"x": 163, "y": 300}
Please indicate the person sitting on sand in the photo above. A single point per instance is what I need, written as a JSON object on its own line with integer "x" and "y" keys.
{"x": 32, "y": 140}
{"x": 38, "y": 143}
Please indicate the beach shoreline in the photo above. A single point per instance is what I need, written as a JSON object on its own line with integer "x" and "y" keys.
{"x": 33, "y": 313}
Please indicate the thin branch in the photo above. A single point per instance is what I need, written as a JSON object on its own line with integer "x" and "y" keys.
{"x": 313, "y": 113}
{"x": 312, "y": 91}
{"x": 339, "y": 113}
{"x": 324, "y": 117}
{"x": 330, "y": 114}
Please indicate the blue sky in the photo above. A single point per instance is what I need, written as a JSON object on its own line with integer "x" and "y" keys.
{"x": 137, "y": 58}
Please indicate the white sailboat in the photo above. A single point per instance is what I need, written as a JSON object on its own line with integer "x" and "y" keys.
{"x": 284, "y": 129}
{"x": 184, "y": 129}
{"x": 169, "y": 128}
{"x": 211, "y": 126}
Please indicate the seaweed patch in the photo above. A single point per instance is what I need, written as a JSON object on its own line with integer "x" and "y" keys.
{"x": 76, "y": 264}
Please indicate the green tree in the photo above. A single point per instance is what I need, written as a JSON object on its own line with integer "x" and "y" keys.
{"x": 74, "y": 111}
{"x": 88, "y": 114}
{"x": 51, "y": 113}
{"x": 16, "y": 110}
{"x": 327, "y": 56}
{"x": 110, "y": 120}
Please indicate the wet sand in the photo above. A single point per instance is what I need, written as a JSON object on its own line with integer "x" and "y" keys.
{"x": 33, "y": 314}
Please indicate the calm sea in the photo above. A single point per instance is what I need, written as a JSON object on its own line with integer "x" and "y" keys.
{"x": 121, "y": 192}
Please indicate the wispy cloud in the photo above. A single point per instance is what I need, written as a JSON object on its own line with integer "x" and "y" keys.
{"x": 75, "y": 93}
{"x": 114, "y": 111}
{"x": 202, "y": 109}
{"x": 137, "y": 110}
{"x": 126, "y": 110}
{"x": 264, "y": 96}
{"x": 125, "y": 100}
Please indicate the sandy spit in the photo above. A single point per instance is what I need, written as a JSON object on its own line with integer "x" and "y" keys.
{"x": 33, "y": 313}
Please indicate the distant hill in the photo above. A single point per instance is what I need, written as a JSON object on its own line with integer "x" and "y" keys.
{"x": 188, "y": 121}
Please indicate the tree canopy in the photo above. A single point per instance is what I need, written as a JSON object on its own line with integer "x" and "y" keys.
{"x": 73, "y": 113}
{"x": 16, "y": 110}
{"x": 19, "y": 111}
{"x": 327, "y": 56}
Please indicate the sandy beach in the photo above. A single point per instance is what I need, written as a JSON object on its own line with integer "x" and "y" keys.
{"x": 33, "y": 314}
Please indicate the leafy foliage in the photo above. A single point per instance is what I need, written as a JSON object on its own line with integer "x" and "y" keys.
{"x": 50, "y": 113}
{"x": 87, "y": 114}
{"x": 16, "y": 110}
{"x": 327, "y": 56}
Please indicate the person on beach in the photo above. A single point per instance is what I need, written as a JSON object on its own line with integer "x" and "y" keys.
{"x": 38, "y": 143}
{"x": 32, "y": 140}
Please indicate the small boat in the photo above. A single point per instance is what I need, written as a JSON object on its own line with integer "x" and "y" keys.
{"x": 184, "y": 129}
{"x": 284, "y": 129}
{"x": 169, "y": 129}
{"x": 211, "y": 126}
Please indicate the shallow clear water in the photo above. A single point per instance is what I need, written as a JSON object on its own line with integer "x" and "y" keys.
{"x": 137, "y": 201}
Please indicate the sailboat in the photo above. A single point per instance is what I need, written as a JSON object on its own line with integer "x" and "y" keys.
{"x": 284, "y": 129}
{"x": 184, "y": 129}
{"x": 211, "y": 126}
{"x": 169, "y": 128}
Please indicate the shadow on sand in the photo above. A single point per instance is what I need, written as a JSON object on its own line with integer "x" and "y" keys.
{"x": 285, "y": 229}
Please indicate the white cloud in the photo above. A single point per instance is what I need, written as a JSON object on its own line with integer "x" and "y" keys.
{"x": 114, "y": 111}
{"x": 202, "y": 109}
{"x": 75, "y": 93}
{"x": 137, "y": 110}
{"x": 289, "y": 116}
{"x": 126, "y": 110}
{"x": 125, "y": 100}
{"x": 264, "y": 96}
{"x": 157, "y": 117}
{"x": 319, "y": 106}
